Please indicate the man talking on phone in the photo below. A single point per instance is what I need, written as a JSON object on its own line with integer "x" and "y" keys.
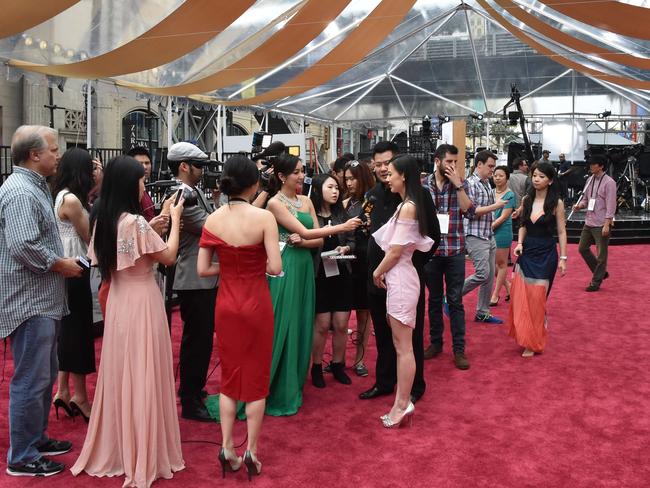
{"x": 196, "y": 295}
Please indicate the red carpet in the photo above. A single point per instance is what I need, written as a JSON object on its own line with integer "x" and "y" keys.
{"x": 576, "y": 416}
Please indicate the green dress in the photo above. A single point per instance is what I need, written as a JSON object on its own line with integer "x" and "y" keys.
{"x": 293, "y": 297}
{"x": 294, "y": 300}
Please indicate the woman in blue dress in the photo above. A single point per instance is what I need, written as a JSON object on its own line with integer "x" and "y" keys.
{"x": 502, "y": 228}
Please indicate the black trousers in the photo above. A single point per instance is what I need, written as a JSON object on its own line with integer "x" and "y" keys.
{"x": 197, "y": 313}
{"x": 386, "y": 367}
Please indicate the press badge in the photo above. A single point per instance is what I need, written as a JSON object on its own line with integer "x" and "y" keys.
{"x": 591, "y": 205}
{"x": 443, "y": 220}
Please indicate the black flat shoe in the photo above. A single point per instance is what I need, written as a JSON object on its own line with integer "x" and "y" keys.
{"x": 58, "y": 403}
{"x": 374, "y": 392}
{"x": 317, "y": 376}
{"x": 195, "y": 410}
{"x": 338, "y": 371}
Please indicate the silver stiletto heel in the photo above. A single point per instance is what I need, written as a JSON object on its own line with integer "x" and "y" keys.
{"x": 407, "y": 416}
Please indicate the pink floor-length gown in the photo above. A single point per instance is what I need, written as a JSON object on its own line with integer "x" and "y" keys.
{"x": 133, "y": 429}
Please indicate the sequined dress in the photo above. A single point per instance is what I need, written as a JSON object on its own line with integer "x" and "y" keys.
{"x": 133, "y": 430}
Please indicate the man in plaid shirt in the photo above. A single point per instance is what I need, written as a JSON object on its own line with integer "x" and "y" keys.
{"x": 449, "y": 194}
{"x": 479, "y": 236}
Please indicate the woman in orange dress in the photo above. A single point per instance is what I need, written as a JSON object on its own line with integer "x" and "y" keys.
{"x": 542, "y": 215}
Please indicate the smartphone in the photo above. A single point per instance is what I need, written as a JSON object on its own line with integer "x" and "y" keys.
{"x": 83, "y": 262}
{"x": 179, "y": 192}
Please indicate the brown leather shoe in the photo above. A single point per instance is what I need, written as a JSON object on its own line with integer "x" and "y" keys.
{"x": 432, "y": 351}
{"x": 460, "y": 360}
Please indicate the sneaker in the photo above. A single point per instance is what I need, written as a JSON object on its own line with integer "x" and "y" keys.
{"x": 361, "y": 370}
{"x": 432, "y": 351}
{"x": 54, "y": 447}
{"x": 488, "y": 319}
{"x": 460, "y": 360}
{"x": 41, "y": 467}
{"x": 592, "y": 287}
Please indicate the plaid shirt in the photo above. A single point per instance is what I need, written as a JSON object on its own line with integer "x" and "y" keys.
{"x": 481, "y": 195}
{"x": 29, "y": 245}
{"x": 446, "y": 201}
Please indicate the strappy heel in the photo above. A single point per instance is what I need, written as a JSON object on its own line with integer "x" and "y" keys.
{"x": 253, "y": 466}
{"x": 227, "y": 461}
{"x": 76, "y": 410}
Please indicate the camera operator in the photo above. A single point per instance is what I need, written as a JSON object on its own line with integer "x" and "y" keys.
{"x": 264, "y": 161}
{"x": 197, "y": 295}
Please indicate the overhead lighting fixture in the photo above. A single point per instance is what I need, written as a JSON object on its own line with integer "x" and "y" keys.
{"x": 29, "y": 41}
{"x": 57, "y": 49}
{"x": 42, "y": 45}
{"x": 605, "y": 114}
{"x": 69, "y": 53}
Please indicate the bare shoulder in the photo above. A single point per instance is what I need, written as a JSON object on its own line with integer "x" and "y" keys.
{"x": 305, "y": 200}
{"x": 408, "y": 211}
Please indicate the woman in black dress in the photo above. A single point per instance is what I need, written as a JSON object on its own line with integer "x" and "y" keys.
{"x": 358, "y": 180}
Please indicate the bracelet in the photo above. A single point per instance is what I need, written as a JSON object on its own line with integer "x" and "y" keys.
{"x": 564, "y": 258}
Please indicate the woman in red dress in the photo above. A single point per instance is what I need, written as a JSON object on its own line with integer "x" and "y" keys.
{"x": 244, "y": 313}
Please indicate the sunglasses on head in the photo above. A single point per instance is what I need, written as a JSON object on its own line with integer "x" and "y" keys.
{"x": 352, "y": 164}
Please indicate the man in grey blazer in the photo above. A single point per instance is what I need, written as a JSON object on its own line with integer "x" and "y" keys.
{"x": 197, "y": 295}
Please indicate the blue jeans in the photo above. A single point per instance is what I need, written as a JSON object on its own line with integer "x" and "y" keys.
{"x": 33, "y": 346}
{"x": 452, "y": 269}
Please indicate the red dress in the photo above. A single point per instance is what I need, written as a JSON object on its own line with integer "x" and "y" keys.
{"x": 243, "y": 319}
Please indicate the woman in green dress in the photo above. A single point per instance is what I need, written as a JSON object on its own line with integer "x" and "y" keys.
{"x": 292, "y": 293}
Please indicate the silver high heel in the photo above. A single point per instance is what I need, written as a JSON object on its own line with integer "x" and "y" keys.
{"x": 406, "y": 416}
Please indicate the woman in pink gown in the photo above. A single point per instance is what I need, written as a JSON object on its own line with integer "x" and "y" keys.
{"x": 133, "y": 429}
{"x": 399, "y": 238}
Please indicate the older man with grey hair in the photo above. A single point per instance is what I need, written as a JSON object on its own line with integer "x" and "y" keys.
{"x": 32, "y": 272}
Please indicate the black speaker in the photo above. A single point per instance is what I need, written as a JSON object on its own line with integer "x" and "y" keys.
{"x": 644, "y": 164}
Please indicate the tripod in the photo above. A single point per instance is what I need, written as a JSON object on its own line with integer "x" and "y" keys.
{"x": 624, "y": 182}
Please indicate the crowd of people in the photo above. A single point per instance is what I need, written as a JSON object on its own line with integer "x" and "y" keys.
{"x": 369, "y": 237}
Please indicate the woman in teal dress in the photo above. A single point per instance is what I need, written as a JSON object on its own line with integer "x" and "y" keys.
{"x": 293, "y": 292}
{"x": 502, "y": 228}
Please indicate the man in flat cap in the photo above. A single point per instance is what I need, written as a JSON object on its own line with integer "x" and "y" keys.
{"x": 197, "y": 295}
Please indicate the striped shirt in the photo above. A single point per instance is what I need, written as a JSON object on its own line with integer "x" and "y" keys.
{"x": 481, "y": 195}
{"x": 29, "y": 246}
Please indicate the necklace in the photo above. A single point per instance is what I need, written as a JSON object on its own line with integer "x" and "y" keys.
{"x": 297, "y": 203}
{"x": 237, "y": 200}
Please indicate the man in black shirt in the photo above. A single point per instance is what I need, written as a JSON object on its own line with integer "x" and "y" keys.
{"x": 385, "y": 204}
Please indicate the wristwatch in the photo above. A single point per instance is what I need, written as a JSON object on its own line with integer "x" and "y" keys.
{"x": 460, "y": 188}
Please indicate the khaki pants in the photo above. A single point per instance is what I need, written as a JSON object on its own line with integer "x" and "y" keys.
{"x": 597, "y": 265}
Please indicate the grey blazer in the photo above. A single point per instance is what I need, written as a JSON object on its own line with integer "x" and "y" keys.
{"x": 193, "y": 218}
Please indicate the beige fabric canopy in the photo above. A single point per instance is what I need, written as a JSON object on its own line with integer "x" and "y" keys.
{"x": 18, "y": 16}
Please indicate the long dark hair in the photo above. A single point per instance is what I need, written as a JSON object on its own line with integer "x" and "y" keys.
{"x": 407, "y": 166}
{"x": 285, "y": 164}
{"x": 360, "y": 172}
{"x": 317, "y": 183}
{"x": 120, "y": 193}
{"x": 552, "y": 194}
{"x": 75, "y": 172}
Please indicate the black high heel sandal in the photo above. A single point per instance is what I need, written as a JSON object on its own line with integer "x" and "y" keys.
{"x": 252, "y": 463}
{"x": 227, "y": 464}
{"x": 58, "y": 403}
{"x": 76, "y": 410}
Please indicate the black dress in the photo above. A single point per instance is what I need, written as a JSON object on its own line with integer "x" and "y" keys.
{"x": 359, "y": 265}
{"x": 333, "y": 294}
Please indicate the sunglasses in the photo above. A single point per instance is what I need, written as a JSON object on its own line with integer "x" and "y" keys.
{"x": 352, "y": 164}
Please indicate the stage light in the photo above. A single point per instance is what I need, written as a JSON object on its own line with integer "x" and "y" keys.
{"x": 443, "y": 118}
{"x": 42, "y": 45}
{"x": 477, "y": 116}
{"x": 69, "y": 53}
{"x": 605, "y": 114}
{"x": 56, "y": 49}
{"x": 29, "y": 41}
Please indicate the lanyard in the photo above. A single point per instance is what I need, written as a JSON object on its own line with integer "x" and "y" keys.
{"x": 597, "y": 189}
{"x": 435, "y": 183}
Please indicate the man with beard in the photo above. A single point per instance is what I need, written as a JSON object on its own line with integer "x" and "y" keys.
{"x": 449, "y": 192}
